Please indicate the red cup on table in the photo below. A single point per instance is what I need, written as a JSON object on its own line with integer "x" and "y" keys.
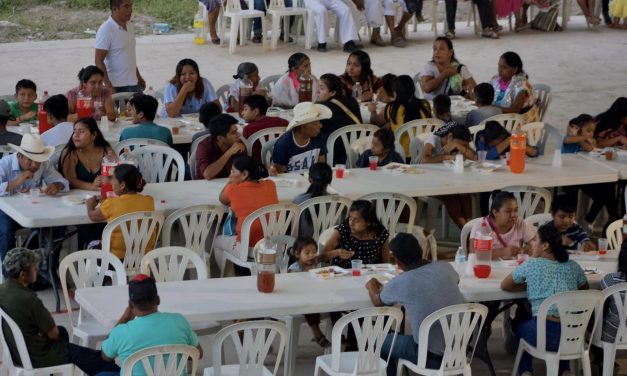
{"x": 356, "y": 266}
{"x": 373, "y": 162}
{"x": 603, "y": 246}
{"x": 339, "y": 171}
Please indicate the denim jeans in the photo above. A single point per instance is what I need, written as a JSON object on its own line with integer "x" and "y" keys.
{"x": 7, "y": 234}
{"x": 88, "y": 360}
{"x": 528, "y": 331}
{"x": 131, "y": 88}
{"x": 261, "y": 5}
{"x": 405, "y": 348}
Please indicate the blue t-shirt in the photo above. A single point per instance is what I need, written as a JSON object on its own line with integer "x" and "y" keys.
{"x": 574, "y": 147}
{"x": 148, "y": 130}
{"x": 546, "y": 278}
{"x": 481, "y": 145}
{"x": 297, "y": 158}
{"x": 192, "y": 104}
{"x": 156, "y": 329}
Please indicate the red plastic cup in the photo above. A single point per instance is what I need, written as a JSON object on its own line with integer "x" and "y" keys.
{"x": 339, "y": 171}
{"x": 373, "y": 162}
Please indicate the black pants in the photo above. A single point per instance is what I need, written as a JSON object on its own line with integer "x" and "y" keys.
{"x": 88, "y": 360}
{"x": 485, "y": 13}
{"x": 451, "y": 12}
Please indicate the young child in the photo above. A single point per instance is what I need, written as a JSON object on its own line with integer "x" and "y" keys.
{"x": 447, "y": 141}
{"x": 484, "y": 96}
{"x": 24, "y": 107}
{"x": 382, "y": 146}
{"x": 580, "y": 135}
{"x": 442, "y": 109}
{"x": 305, "y": 252}
{"x": 563, "y": 211}
{"x": 385, "y": 94}
{"x": 495, "y": 140}
{"x": 254, "y": 113}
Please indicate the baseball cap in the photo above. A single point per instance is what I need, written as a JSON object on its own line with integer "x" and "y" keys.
{"x": 5, "y": 110}
{"x": 142, "y": 289}
{"x": 406, "y": 248}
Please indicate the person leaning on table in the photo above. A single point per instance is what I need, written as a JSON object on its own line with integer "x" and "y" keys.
{"x": 47, "y": 344}
{"x": 416, "y": 290}
{"x": 28, "y": 168}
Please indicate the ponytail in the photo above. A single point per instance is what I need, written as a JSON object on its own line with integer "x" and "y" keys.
{"x": 320, "y": 175}
{"x": 551, "y": 236}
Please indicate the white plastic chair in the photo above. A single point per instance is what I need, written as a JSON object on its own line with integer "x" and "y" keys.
{"x": 542, "y": 93}
{"x": 168, "y": 264}
{"x": 375, "y": 325}
{"x": 614, "y": 234}
{"x": 239, "y": 16}
{"x": 269, "y": 81}
{"x": 266, "y": 152}
{"x": 417, "y": 82}
{"x": 6, "y": 150}
{"x": 120, "y": 99}
{"x": 252, "y": 340}
{"x": 535, "y": 132}
{"x": 140, "y": 231}
{"x": 531, "y": 200}
{"x": 223, "y": 95}
{"x": 389, "y": 207}
{"x": 458, "y": 323}
{"x": 350, "y": 136}
{"x": 133, "y": 143}
{"x": 10, "y": 367}
{"x": 617, "y": 294}
{"x": 416, "y": 127}
{"x": 575, "y": 309}
{"x": 89, "y": 269}
{"x": 324, "y": 212}
{"x": 464, "y": 236}
{"x": 324, "y": 237}
{"x": 197, "y": 224}
{"x": 277, "y": 11}
{"x": 164, "y": 360}
{"x": 538, "y": 220}
{"x": 159, "y": 164}
{"x": 508, "y": 121}
{"x": 275, "y": 220}
{"x": 263, "y": 137}
{"x": 192, "y": 155}
{"x": 550, "y": 134}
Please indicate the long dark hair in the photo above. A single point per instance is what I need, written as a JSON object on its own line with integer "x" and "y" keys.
{"x": 255, "y": 171}
{"x": 512, "y": 59}
{"x": 130, "y": 176}
{"x": 499, "y": 198}
{"x": 368, "y": 212}
{"x": 551, "y": 236}
{"x": 199, "y": 88}
{"x": 364, "y": 60}
{"x": 449, "y": 44}
{"x": 333, "y": 83}
{"x": 611, "y": 118}
{"x": 321, "y": 176}
{"x": 405, "y": 91}
{"x": 494, "y": 131}
{"x": 92, "y": 127}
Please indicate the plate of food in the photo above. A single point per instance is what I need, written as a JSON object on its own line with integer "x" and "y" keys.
{"x": 486, "y": 167}
{"x": 328, "y": 272}
{"x": 400, "y": 168}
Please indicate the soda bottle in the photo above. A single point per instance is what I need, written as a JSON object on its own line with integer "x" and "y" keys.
{"x": 106, "y": 170}
{"x": 517, "y": 148}
{"x": 200, "y": 35}
{"x": 245, "y": 91}
{"x": 357, "y": 90}
{"x": 305, "y": 87}
{"x": 42, "y": 115}
{"x": 127, "y": 158}
{"x": 483, "y": 251}
{"x": 266, "y": 260}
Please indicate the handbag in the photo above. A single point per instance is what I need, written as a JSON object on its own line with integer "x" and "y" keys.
{"x": 547, "y": 20}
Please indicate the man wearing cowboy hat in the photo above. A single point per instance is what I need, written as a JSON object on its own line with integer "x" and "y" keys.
{"x": 302, "y": 144}
{"x": 19, "y": 172}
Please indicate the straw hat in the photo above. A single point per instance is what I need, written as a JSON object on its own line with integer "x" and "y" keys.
{"x": 307, "y": 112}
{"x": 33, "y": 148}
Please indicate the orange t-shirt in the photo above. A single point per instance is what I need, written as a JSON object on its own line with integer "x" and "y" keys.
{"x": 246, "y": 197}
{"x": 113, "y": 208}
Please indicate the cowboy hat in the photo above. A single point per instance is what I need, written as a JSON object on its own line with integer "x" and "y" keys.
{"x": 308, "y": 112}
{"x": 33, "y": 148}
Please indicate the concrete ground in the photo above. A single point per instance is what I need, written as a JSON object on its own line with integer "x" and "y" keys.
{"x": 585, "y": 68}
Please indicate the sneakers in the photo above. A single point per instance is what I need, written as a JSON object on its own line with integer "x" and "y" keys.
{"x": 350, "y": 46}
{"x": 450, "y": 34}
{"x": 322, "y": 47}
{"x": 489, "y": 33}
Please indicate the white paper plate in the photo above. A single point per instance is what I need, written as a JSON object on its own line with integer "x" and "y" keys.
{"x": 328, "y": 272}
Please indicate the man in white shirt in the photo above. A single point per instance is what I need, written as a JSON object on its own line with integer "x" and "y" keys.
{"x": 57, "y": 109}
{"x": 115, "y": 49}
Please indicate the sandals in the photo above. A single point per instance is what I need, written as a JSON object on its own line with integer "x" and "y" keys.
{"x": 322, "y": 341}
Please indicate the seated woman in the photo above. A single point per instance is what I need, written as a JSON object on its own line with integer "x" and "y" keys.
{"x": 511, "y": 233}
{"x": 495, "y": 140}
{"x": 444, "y": 74}
{"x": 344, "y": 108}
{"x": 385, "y": 94}
{"x": 358, "y": 70}
{"x": 360, "y": 237}
{"x": 187, "y": 91}
{"x": 382, "y": 147}
{"x": 91, "y": 84}
{"x": 512, "y": 90}
{"x": 611, "y": 129}
{"x": 127, "y": 184}
{"x": 547, "y": 273}
{"x": 442, "y": 145}
{"x": 244, "y": 193}
{"x": 250, "y": 71}
{"x": 285, "y": 90}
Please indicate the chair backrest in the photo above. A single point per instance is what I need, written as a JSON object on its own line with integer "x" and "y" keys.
{"x": 223, "y": 95}
{"x": 415, "y": 127}
{"x": 371, "y": 326}
{"x": 133, "y": 143}
{"x": 89, "y": 269}
{"x": 324, "y": 238}
{"x": 553, "y": 135}
{"x": 6, "y": 150}
{"x": 418, "y": 91}
{"x": 164, "y": 360}
{"x": 538, "y": 220}
{"x": 283, "y": 245}
{"x": 390, "y": 207}
{"x": 348, "y": 135}
{"x": 531, "y": 200}
{"x": 535, "y": 132}
{"x": 458, "y": 323}
{"x": 20, "y": 344}
{"x": 508, "y": 121}
{"x": 263, "y": 137}
{"x": 473, "y": 134}
{"x": 464, "y": 236}
{"x": 617, "y": 293}
{"x": 253, "y": 341}
{"x": 416, "y": 148}
{"x": 140, "y": 231}
{"x": 614, "y": 234}
{"x": 159, "y": 164}
{"x": 197, "y": 224}
{"x": 325, "y": 212}
{"x": 269, "y": 81}
{"x": 120, "y": 99}
{"x": 277, "y": 219}
{"x": 575, "y": 309}
{"x": 266, "y": 152}
{"x": 542, "y": 93}
{"x": 192, "y": 155}
{"x": 169, "y": 264}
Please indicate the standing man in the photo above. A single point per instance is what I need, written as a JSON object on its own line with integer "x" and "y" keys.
{"x": 115, "y": 49}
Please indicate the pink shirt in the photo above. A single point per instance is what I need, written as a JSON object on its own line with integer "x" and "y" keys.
{"x": 520, "y": 233}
